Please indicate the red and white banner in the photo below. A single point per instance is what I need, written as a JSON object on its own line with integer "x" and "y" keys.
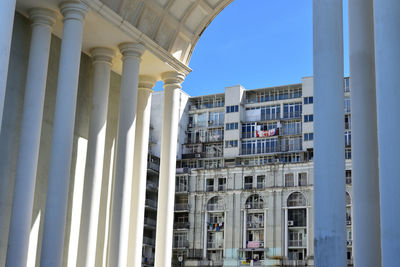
{"x": 267, "y": 133}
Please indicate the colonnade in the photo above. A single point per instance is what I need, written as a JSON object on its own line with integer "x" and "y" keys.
{"x": 374, "y": 67}
{"x": 129, "y": 186}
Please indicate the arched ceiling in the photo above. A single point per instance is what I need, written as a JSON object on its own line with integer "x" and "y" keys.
{"x": 175, "y": 25}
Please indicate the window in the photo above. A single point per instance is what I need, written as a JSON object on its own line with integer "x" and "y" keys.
{"x": 348, "y": 177}
{"x": 308, "y": 118}
{"x": 308, "y": 100}
{"x": 248, "y": 182}
{"x": 292, "y": 110}
{"x": 260, "y": 181}
{"x": 291, "y": 128}
{"x": 347, "y": 152}
{"x": 289, "y": 180}
{"x": 231, "y": 143}
{"x": 230, "y": 109}
{"x": 181, "y": 184}
{"x": 232, "y": 126}
{"x": 302, "y": 179}
{"x": 215, "y": 118}
{"x": 347, "y": 122}
{"x": 271, "y": 113}
{"x": 298, "y": 217}
{"x": 347, "y": 105}
{"x": 254, "y": 202}
{"x": 347, "y": 85}
{"x": 296, "y": 199}
{"x": 209, "y": 185}
{"x": 308, "y": 136}
{"x": 347, "y": 138}
{"x": 221, "y": 184}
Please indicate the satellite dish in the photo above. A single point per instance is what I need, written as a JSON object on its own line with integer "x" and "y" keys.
{"x": 180, "y": 258}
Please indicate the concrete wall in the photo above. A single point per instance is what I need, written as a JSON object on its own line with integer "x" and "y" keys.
{"x": 9, "y": 146}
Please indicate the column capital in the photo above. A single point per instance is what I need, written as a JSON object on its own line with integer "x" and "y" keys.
{"x": 102, "y": 55}
{"x": 147, "y": 83}
{"x": 172, "y": 78}
{"x": 73, "y": 10}
{"x": 42, "y": 16}
{"x": 132, "y": 50}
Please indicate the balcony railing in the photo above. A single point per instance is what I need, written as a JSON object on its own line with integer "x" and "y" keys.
{"x": 153, "y": 166}
{"x": 258, "y": 224}
{"x": 151, "y": 203}
{"x": 181, "y": 188}
{"x": 255, "y": 206}
{"x": 255, "y": 244}
{"x": 150, "y": 222}
{"x": 298, "y": 243}
{"x": 149, "y": 260}
{"x": 193, "y": 155}
{"x": 149, "y": 241}
{"x": 181, "y": 243}
{"x": 152, "y": 186}
{"x": 248, "y": 186}
{"x": 215, "y": 244}
{"x": 292, "y": 115}
{"x": 181, "y": 207}
{"x": 212, "y": 207}
{"x": 294, "y": 263}
{"x": 209, "y": 188}
{"x": 222, "y": 187}
{"x": 181, "y": 225}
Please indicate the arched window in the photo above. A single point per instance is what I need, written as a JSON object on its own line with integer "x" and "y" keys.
{"x": 296, "y": 199}
{"x": 254, "y": 202}
{"x": 348, "y": 199}
{"x": 215, "y": 203}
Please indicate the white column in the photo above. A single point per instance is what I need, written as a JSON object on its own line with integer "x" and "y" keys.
{"x": 102, "y": 58}
{"x": 166, "y": 188}
{"x": 146, "y": 83}
{"x": 119, "y": 232}
{"x": 205, "y": 234}
{"x": 387, "y": 58}
{"x": 329, "y": 195}
{"x": 244, "y": 228}
{"x": 286, "y": 240}
{"x": 20, "y": 224}
{"x": 63, "y": 132}
{"x": 366, "y": 234}
{"x": 7, "y": 10}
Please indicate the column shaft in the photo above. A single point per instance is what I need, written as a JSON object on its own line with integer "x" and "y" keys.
{"x": 140, "y": 170}
{"x": 366, "y": 233}
{"x": 387, "y": 58}
{"x": 119, "y": 232}
{"x": 63, "y": 132}
{"x": 7, "y": 10}
{"x": 329, "y": 195}
{"x": 24, "y": 189}
{"x": 102, "y": 58}
{"x": 166, "y": 188}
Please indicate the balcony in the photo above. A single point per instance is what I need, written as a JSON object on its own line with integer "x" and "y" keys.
{"x": 149, "y": 241}
{"x": 255, "y": 224}
{"x": 181, "y": 244}
{"x": 291, "y": 115}
{"x": 151, "y": 186}
{"x": 255, "y": 244}
{"x": 248, "y": 186}
{"x": 209, "y": 188}
{"x": 153, "y": 166}
{"x": 298, "y": 243}
{"x": 222, "y": 187}
{"x": 148, "y": 260}
{"x": 255, "y": 206}
{"x": 215, "y": 207}
{"x": 181, "y": 207}
{"x": 215, "y": 244}
{"x": 181, "y": 225}
{"x": 151, "y": 203}
{"x": 181, "y": 188}
{"x": 294, "y": 263}
{"x": 150, "y": 222}
{"x": 193, "y": 155}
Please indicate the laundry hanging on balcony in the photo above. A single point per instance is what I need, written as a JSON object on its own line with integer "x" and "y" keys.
{"x": 267, "y": 133}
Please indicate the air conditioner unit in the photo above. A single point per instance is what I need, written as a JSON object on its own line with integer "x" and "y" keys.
{"x": 248, "y": 206}
{"x": 211, "y": 122}
{"x": 348, "y": 222}
{"x": 197, "y": 155}
{"x": 349, "y": 242}
{"x": 290, "y": 223}
{"x": 261, "y": 244}
{"x": 189, "y": 125}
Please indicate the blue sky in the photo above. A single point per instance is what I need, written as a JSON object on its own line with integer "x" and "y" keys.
{"x": 255, "y": 43}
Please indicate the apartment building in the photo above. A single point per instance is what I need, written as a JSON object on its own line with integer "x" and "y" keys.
{"x": 244, "y": 182}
